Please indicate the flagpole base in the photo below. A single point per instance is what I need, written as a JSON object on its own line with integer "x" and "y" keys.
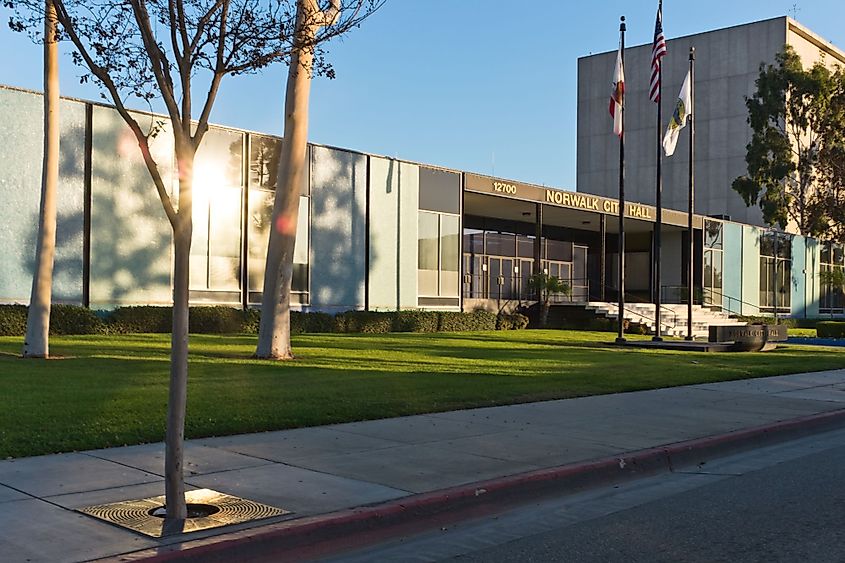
{"x": 657, "y": 339}
{"x": 621, "y": 340}
{"x": 689, "y": 338}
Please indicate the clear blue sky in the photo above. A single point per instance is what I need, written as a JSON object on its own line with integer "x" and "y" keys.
{"x": 469, "y": 84}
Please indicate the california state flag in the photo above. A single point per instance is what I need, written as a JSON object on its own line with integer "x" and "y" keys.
{"x": 617, "y": 94}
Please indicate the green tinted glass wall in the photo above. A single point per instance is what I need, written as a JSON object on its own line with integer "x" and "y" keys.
{"x": 338, "y": 229}
{"x": 130, "y": 234}
{"x": 20, "y": 187}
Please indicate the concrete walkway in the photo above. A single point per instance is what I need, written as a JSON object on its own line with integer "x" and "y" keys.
{"x": 320, "y": 470}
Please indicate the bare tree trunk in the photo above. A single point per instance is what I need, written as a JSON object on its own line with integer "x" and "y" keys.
{"x": 174, "y": 484}
{"x": 274, "y": 330}
{"x": 36, "y": 343}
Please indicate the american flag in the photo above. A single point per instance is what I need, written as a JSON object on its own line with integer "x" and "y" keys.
{"x": 658, "y": 51}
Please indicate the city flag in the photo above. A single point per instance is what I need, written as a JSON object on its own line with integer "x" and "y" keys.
{"x": 658, "y": 51}
{"x": 683, "y": 109}
{"x": 617, "y": 94}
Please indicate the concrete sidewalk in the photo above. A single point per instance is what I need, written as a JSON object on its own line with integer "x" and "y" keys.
{"x": 315, "y": 471}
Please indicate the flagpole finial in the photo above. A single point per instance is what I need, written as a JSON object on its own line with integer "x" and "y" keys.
{"x": 622, "y": 23}
{"x": 692, "y": 53}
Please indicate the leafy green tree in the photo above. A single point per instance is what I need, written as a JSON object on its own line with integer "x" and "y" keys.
{"x": 548, "y": 286}
{"x": 832, "y": 167}
{"x": 793, "y": 125}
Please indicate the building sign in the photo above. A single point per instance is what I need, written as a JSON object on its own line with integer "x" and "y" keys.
{"x": 572, "y": 200}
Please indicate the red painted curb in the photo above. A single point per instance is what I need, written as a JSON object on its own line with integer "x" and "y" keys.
{"x": 292, "y": 540}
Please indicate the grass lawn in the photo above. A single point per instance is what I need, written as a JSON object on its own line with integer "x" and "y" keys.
{"x": 113, "y": 391}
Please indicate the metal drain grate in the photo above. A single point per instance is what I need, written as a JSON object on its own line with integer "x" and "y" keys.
{"x": 136, "y": 514}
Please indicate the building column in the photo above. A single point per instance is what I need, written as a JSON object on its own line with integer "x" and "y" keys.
{"x": 538, "y": 243}
{"x": 602, "y": 256}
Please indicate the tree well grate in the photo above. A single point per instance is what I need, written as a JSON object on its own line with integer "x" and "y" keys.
{"x": 210, "y": 509}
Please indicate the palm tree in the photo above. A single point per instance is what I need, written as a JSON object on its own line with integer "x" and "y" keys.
{"x": 547, "y": 286}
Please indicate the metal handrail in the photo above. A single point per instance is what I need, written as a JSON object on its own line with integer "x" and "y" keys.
{"x": 633, "y": 298}
{"x": 738, "y": 300}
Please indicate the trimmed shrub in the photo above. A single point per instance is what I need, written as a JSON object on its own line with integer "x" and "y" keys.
{"x": 463, "y": 322}
{"x": 64, "y": 319}
{"x": 830, "y": 329}
{"x": 371, "y": 322}
{"x": 12, "y": 320}
{"x": 317, "y": 322}
{"x": 146, "y": 318}
{"x": 416, "y": 321}
{"x": 216, "y": 320}
{"x": 511, "y": 321}
{"x": 73, "y": 319}
{"x": 252, "y": 319}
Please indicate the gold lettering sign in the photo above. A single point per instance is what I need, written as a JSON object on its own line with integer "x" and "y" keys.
{"x": 504, "y": 187}
{"x": 572, "y": 199}
{"x": 639, "y": 211}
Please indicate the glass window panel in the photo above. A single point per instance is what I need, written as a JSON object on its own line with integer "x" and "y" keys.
{"x": 219, "y": 161}
{"x": 558, "y": 250}
{"x": 224, "y": 240}
{"x": 826, "y": 254}
{"x": 299, "y": 282}
{"x": 767, "y": 245}
{"x": 579, "y": 265}
{"x": 449, "y": 282}
{"x": 258, "y": 221}
{"x": 264, "y": 153}
{"x": 473, "y": 241}
{"x": 708, "y": 268}
{"x": 784, "y": 292}
{"x": 713, "y": 234}
{"x": 717, "y": 271}
{"x": 427, "y": 283}
{"x": 785, "y": 246}
{"x": 764, "y": 282}
{"x": 428, "y": 241}
{"x": 501, "y": 244}
{"x": 303, "y": 222}
{"x": 565, "y": 272}
{"x": 839, "y": 254}
{"x": 525, "y": 246}
{"x": 449, "y": 249}
{"x": 199, "y": 242}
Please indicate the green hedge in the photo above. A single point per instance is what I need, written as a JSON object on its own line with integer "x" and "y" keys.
{"x": 12, "y": 320}
{"x": 64, "y": 319}
{"x": 789, "y": 322}
{"x": 72, "y": 319}
{"x": 830, "y": 329}
{"x": 512, "y": 321}
{"x": 127, "y": 320}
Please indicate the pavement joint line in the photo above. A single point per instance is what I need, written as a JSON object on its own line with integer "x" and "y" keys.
{"x": 319, "y": 471}
{"x": 45, "y": 499}
{"x": 301, "y": 535}
{"x": 402, "y": 444}
{"x": 122, "y": 464}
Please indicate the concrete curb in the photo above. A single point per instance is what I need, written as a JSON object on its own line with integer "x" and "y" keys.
{"x": 298, "y": 539}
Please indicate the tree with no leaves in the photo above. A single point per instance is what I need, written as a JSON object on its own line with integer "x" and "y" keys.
{"x": 153, "y": 49}
{"x": 314, "y": 25}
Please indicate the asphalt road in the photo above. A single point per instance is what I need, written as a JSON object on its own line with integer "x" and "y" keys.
{"x": 781, "y": 503}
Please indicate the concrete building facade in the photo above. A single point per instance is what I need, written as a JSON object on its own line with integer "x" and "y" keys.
{"x": 377, "y": 233}
{"x": 727, "y": 66}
